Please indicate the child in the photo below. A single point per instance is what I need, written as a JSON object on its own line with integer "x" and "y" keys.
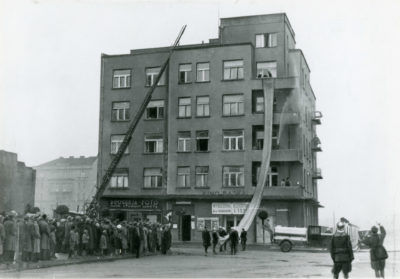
{"x": 103, "y": 243}
{"x": 85, "y": 242}
{"x": 73, "y": 242}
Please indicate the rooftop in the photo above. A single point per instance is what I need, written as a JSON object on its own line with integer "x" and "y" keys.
{"x": 71, "y": 161}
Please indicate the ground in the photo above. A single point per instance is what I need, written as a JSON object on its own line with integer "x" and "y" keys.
{"x": 187, "y": 262}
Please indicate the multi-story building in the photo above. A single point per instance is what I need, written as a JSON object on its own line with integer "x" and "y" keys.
{"x": 196, "y": 152}
{"x": 65, "y": 181}
{"x": 17, "y": 184}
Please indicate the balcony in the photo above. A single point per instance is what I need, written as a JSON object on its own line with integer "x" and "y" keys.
{"x": 283, "y": 192}
{"x": 279, "y": 83}
{"x": 316, "y": 145}
{"x": 317, "y": 174}
{"x": 286, "y": 155}
{"x": 316, "y": 117}
{"x": 289, "y": 118}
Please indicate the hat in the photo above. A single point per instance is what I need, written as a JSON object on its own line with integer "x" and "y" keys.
{"x": 119, "y": 226}
{"x": 374, "y": 229}
{"x": 340, "y": 226}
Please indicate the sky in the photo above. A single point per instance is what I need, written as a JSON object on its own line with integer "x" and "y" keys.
{"x": 50, "y": 76}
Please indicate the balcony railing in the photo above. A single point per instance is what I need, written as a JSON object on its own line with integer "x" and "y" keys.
{"x": 317, "y": 174}
{"x": 286, "y": 155}
{"x": 286, "y": 118}
{"x": 316, "y": 118}
{"x": 283, "y": 191}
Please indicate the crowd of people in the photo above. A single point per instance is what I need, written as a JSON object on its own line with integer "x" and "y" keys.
{"x": 31, "y": 238}
{"x": 222, "y": 237}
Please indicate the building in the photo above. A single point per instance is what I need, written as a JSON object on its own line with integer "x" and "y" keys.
{"x": 196, "y": 152}
{"x": 68, "y": 181}
{"x": 17, "y": 183}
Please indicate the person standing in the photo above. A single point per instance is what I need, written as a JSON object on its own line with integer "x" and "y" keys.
{"x": 234, "y": 240}
{"x": 341, "y": 252}
{"x": 36, "y": 240}
{"x": 206, "y": 239}
{"x": 243, "y": 239}
{"x": 215, "y": 240}
{"x": 44, "y": 238}
{"x": 222, "y": 234}
{"x": 28, "y": 240}
{"x": 103, "y": 243}
{"x": 2, "y": 238}
{"x": 10, "y": 239}
{"x": 378, "y": 254}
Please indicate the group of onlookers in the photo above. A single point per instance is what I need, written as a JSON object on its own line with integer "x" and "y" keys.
{"x": 222, "y": 237}
{"x": 32, "y": 238}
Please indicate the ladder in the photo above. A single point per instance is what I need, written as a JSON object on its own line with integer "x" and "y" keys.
{"x": 93, "y": 208}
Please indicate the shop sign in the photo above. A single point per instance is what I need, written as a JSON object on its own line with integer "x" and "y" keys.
{"x": 229, "y": 208}
{"x": 134, "y": 204}
{"x": 234, "y": 192}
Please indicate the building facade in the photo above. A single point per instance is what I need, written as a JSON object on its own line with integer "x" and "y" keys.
{"x": 196, "y": 153}
{"x": 65, "y": 181}
{"x": 17, "y": 183}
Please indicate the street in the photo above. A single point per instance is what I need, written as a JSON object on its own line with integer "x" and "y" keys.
{"x": 190, "y": 262}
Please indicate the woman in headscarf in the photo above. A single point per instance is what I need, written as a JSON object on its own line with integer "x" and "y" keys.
{"x": 378, "y": 254}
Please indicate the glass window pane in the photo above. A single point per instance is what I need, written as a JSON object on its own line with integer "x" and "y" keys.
{"x": 260, "y": 40}
{"x": 206, "y": 110}
{"x": 227, "y": 73}
{"x": 184, "y": 101}
{"x": 236, "y": 63}
{"x": 185, "y": 67}
{"x": 203, "y": 66}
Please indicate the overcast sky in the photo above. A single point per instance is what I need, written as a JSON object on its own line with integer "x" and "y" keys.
{"x": 50, "y": 75}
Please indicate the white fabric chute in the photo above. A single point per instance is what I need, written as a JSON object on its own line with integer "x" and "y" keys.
{"x": 251, "y": 211}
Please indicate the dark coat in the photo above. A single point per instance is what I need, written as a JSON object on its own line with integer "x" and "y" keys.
{"x": 373, "y": 241}
{"x": 215, "y": 237}
{"x": 44, "y": 235}
{"x": 29, "y": 236}
{"x": 243, "y": 236}
{"x": 11, "y": 231}
{"x": 206, "y": 238}
{"x": 234, "y": 237}
{"x": 340, "y": 248}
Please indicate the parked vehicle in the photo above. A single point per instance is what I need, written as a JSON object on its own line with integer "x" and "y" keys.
{"x": 312, "y": 236}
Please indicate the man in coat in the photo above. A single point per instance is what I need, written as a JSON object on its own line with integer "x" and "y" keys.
{"x": 234, "y": 240}
{"x": 378, "y": 254}
{"x": 44, "y": 238}
{"x": 341, "y": 252}
{"x": 243, "y": 239}
{"x": 10, "y": 239}
{"x": 28, "y": 239}
{"x": 215, "y": 240}
{"x": 206, "y": 239}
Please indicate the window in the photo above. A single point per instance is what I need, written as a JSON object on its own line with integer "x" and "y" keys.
{"x": 184, "y": 141}
{"x": 203, "y": 72}
{"x": 151, "y": 75}
{"x": 266, "y": 40}
{"x": 122, "y": 78}
{"x": 183, "y": 176}
{"x": 202, "y": 140}
{"x": 233, "y": 176}
{"x": 266, "y": 69}
{"x": 120, "y": 111}
{"x": 275, "y": 136}
{"x": 119, "y": 179}
{"x": 153, "y": 143}
{"x": 201, "y": 176}
{"x": 185, "y": 107}
{"x": 116, "y": 141}
{"x": 272, "y": 176}
{"x": 258, "y": 137}
{"x": 260, "y": 40}
{"x": 155, "y": 110}
{"x": 233, "y": 70}
{"x": 203, "y": 106}
{"x": 255, "y": 172}
{"x": 152, "y": 178}
{"x": 258, "y": 101}
{"x": 233, "y": 105}
{"x": 185, "y": 73}
{"x": 233, "y": 140}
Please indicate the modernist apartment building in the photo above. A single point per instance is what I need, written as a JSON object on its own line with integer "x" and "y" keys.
{"x": 196, "y": 152}
{"x": 65, "y": 181}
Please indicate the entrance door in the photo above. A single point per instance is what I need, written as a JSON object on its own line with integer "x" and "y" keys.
{"x": 186, "y": 229}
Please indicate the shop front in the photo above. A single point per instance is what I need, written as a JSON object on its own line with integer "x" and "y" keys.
{"x": 135, "y": 209}
{"x": 230, "y": 212}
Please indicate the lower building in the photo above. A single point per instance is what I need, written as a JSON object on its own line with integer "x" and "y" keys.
{"x": 17, "y": 183}
{"x": 66, "y": 181}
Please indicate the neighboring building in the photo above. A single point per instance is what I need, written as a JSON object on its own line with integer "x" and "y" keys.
{"x": 17, "y": 183}
{"x": 69, "y": 181}
{"x": 196, "y": 153}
